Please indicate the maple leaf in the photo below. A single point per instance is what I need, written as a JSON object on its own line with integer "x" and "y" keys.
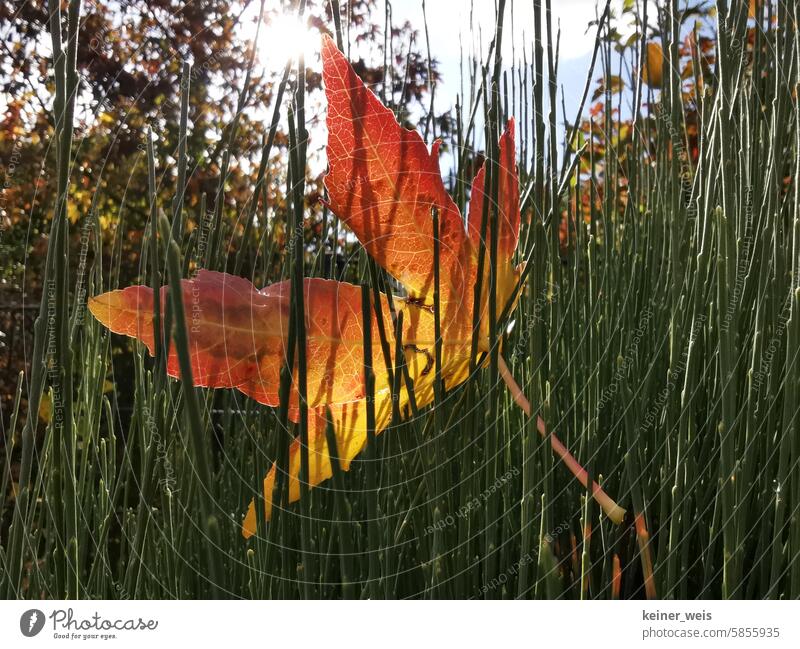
{"x": 383, "y": 182}
{"x": 653, "y": 65}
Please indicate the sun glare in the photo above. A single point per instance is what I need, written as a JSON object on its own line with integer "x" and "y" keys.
{"x": 284, "y": 36}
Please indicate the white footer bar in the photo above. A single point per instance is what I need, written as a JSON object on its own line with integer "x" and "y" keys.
{"x": 404, "y": 625}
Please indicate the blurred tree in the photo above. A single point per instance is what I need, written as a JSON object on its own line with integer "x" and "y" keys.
{"x": 130, "y": 56}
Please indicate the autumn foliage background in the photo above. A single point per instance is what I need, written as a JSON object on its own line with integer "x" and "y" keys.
{"x": 657, "y": 332}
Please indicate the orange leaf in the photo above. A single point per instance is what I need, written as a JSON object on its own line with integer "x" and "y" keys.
{"x": 234, "y": 331}
{"x": 383, "y": 183}
{"x": 653, "y": 67}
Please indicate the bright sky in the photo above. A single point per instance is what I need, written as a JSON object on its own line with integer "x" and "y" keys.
{"x": 450, "y": 19}
{"x": 449, "y": 24}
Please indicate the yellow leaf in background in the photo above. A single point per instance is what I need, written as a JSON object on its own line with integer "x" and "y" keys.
{"x": 108, "y": 386}
{"x": 73, "y": 214}
{"x": 688, "y": 70}
{"x": 46, "y": 408}
{"x": 654, "y": 64}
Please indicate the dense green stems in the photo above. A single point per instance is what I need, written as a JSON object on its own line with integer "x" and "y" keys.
{"x": 202, "y": 466}
{"x": 372, "y": 589}
{"x": 650, "y": 321}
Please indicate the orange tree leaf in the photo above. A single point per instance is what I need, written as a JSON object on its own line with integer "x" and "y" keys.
{"x": 653, "y": 66}
{"x": 383, "y": 182}
{"x": 224, "y": 314}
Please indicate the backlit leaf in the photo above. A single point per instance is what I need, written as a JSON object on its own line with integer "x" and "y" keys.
{"x": 384, "y": 184}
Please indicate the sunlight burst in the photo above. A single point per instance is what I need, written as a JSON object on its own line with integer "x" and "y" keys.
{"x": 285, "y": 36}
